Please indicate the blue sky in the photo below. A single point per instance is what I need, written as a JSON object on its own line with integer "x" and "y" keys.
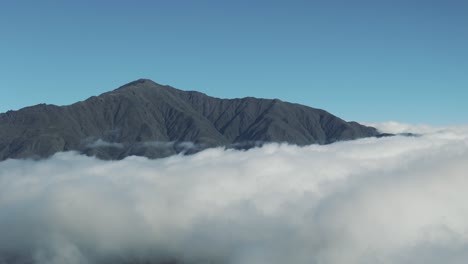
{"x": 370, "y": 61}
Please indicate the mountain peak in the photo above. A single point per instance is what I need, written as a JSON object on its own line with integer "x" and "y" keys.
{"x": 139, "y": 83}
{"x": 144, "y": 81}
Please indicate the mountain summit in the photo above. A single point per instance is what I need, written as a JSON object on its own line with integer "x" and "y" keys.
{"x": 144, "y": 118}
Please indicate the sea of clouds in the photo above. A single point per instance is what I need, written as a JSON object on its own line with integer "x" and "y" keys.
{"x": 391, "y": 200}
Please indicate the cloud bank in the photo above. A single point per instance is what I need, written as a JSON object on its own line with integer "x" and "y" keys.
{"x": 389, "y": 200}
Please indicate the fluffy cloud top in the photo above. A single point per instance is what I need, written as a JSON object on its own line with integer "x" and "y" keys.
{"x": 390, "y": 200}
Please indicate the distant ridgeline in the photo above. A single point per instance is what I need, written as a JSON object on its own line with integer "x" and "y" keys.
{"x": 144, "y": 118}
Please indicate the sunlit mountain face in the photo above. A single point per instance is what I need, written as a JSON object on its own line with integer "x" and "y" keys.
{"x": 143, "y": 118}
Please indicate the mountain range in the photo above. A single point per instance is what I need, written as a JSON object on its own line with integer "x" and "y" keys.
{"x": 144, "y": 118}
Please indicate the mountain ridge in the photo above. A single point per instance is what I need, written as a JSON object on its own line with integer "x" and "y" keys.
{"x": 141, "y": 112}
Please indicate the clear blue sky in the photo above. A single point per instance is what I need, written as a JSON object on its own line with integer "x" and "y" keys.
{"x": 370, "y": 61}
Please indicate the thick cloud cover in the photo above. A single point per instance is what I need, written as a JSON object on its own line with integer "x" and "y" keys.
{"x": 390, "y": 200}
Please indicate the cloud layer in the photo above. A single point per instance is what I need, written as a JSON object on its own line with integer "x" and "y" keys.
{"x": 390, "y": 200}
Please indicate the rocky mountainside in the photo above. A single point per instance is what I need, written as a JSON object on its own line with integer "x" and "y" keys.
{"x": 144, "y": 118}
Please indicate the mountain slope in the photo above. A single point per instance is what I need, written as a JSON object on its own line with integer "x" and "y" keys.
{"x": 147, "y": 119}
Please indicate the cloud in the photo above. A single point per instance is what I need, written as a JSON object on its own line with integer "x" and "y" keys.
{"x": 182, "y": 146}
{"x": 389, "y": 200}
{"x": 400, "y": 128}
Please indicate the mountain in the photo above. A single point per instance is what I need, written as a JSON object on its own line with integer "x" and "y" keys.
{"x": 144, "y": 118}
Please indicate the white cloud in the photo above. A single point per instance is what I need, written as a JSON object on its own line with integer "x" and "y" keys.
{"x": 390, "y": 200}
{"x": 396, "y": 127}
{"x": 182, "y": 146}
